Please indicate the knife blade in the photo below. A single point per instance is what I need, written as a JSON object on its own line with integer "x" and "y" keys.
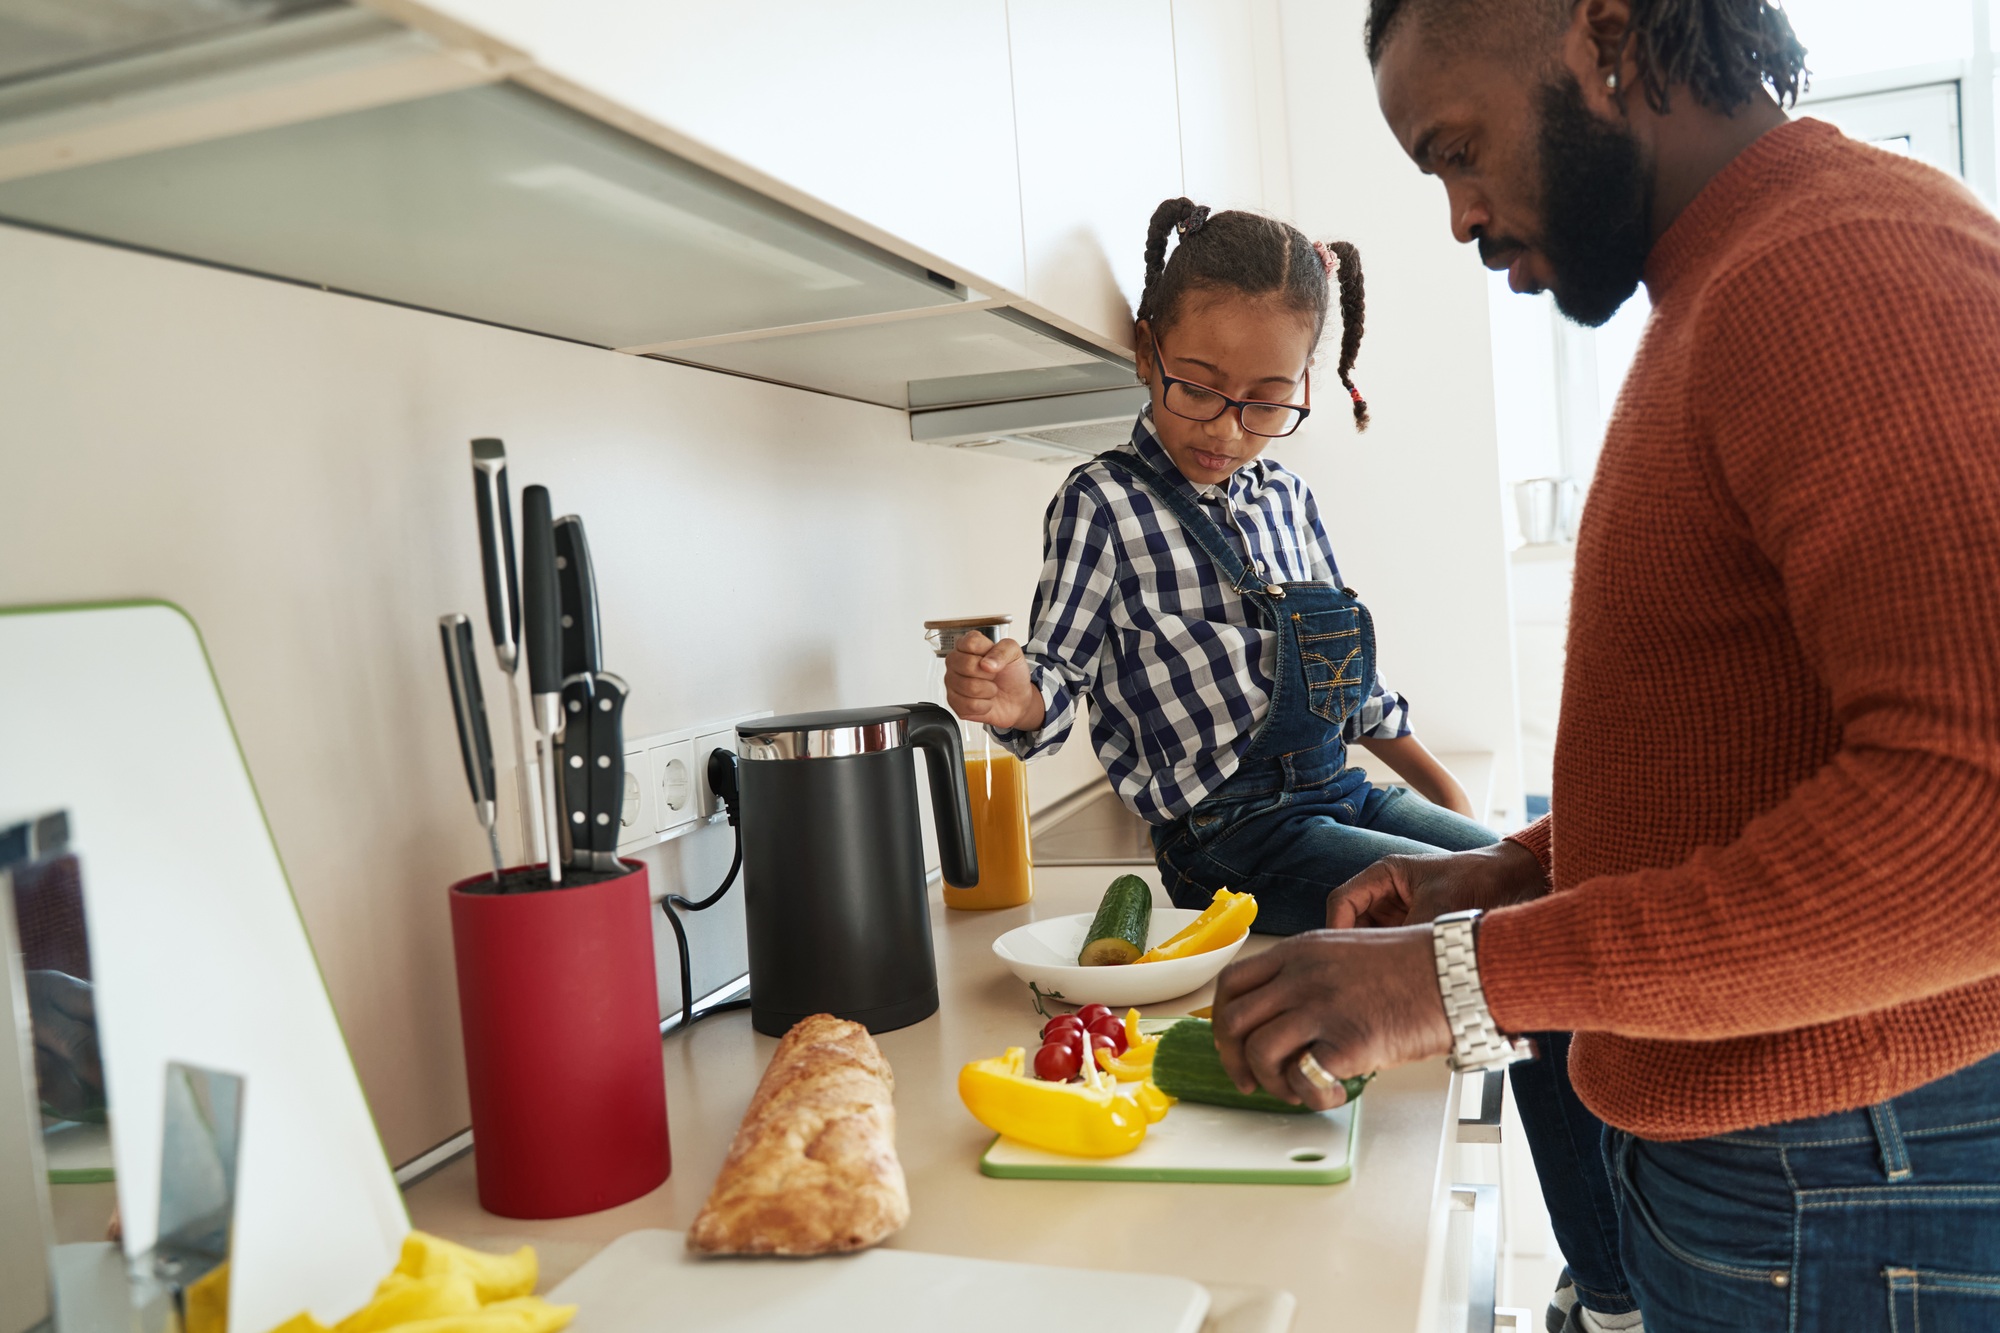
{"x": 578, "y": 708}
{"x": 582, "y": 642}
{"x": 607, "y": 769}
{"x": 542, "y": 638}
{"x": 503, "y": 610}
{"x": 475, "y": 742}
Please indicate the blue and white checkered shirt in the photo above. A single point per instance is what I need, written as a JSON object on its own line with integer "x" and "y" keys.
{"x": 1133, "y": 614}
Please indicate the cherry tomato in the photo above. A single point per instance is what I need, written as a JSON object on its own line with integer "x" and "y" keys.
{"x": 1112, "y": 1031}
{"x": 1090, "y": 1013}
{"x": 1058, "y": 1062}
{"x": 1062, "y": 1023}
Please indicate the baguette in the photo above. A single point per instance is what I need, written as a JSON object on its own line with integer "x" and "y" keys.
{"x": 812, "y": 1169}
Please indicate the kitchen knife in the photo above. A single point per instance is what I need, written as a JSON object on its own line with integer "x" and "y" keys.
{"x": 607, "y": 769}
{"x": 468, "y": 706}
{"x": 578, "y": 715}
{"x": 503, "y": 608}
{"x": 541, "y": 634}
{"x": 582, "y": 644}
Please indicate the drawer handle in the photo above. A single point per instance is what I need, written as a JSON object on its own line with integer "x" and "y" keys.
{"x": 1485, "y": 1127}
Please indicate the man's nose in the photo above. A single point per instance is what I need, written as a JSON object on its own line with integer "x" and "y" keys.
{"x": 1469, "y": 213}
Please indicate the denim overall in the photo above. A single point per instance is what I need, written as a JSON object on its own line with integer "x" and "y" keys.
{"x": 1325, "y": 666}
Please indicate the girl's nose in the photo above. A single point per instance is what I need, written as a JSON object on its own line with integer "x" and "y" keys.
{"x": 1227, "y": 428}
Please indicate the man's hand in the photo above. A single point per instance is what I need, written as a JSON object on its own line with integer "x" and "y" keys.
{"x": 1410, "y": 890}
{"x": 988, "y": 682}
{"x": 1358, "y": 1000}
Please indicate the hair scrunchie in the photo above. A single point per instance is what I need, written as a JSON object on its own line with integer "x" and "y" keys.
{"x": 1326, "y": 258}
{"x": 1192, "y": 223}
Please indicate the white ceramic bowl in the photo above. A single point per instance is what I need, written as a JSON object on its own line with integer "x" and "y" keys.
{"x": 1044, "y": 953}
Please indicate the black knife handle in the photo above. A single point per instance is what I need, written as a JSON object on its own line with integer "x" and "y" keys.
{"x": 607, "y": 760}
{"x": 540, "y": 607}
{"x": 578, "y": 722}
{"x": 576, "y": 581}
{"x": 496, "y": 548}
{"x": 468, "y": 706}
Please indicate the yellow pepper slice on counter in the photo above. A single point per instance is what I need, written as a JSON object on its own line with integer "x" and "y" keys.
{"x": 1226, "y": 921}
{"x": 1153, "y": 1102}
{"x": 439, "y": 1287}
{"x": 495, "y": 1277}
{"x": 1071, "y": 1118}
{"x": 1136, "y": 1064}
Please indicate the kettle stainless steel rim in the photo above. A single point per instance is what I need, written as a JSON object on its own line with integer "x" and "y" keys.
{"x": 824, "y": 742}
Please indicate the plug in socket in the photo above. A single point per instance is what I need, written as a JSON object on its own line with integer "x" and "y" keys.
{"x": 724, "y": 739}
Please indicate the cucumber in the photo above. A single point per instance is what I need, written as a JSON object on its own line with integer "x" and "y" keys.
{"x": 1186, "y": 1066}
{"x": 1118, "y": 932}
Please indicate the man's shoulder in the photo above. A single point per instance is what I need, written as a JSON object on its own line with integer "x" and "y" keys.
{"x": 1845, "y": 209}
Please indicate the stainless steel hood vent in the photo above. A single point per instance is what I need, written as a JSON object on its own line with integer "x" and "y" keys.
{"x": 328, "y": 145}
{"x": 1045, "y": 430}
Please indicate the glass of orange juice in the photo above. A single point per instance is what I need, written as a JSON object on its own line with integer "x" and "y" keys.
{"x": 996, "y": 785}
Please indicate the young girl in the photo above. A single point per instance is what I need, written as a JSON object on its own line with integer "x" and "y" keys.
{"x": 1189, "y": 592}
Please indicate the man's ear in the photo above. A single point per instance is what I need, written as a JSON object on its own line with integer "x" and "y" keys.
{"x": 1596, "y": 52}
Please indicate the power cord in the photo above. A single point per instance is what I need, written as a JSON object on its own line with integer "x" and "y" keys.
{"x": 721, "y": 781}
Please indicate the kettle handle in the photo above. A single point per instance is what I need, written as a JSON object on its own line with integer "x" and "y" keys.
{"x": 935, "y": 730}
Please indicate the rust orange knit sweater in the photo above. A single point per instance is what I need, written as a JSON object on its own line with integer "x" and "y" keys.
{"x": 1774, "y": 838}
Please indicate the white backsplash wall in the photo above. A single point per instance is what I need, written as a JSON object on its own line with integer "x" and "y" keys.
{"x": 291, "y": 467}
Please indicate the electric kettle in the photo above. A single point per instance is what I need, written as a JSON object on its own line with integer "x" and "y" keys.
{"x": 835, "y": 896}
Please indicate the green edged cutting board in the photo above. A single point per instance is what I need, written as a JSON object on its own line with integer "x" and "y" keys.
{"x": 1205, "y": 1144}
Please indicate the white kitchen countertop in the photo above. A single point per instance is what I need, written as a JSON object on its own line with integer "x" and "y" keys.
{"x": 1353, "y": 1254}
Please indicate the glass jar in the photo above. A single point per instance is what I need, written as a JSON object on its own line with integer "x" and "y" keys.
{"x": 996, "y": 786}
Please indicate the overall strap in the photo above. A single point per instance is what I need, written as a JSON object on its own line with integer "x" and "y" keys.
{"x": 1205, "y": 531}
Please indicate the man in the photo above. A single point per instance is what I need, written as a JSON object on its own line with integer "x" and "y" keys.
{"x": 1765, "y": 899}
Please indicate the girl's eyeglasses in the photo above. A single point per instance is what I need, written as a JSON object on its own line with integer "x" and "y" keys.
{"x": 1197, "y": 402}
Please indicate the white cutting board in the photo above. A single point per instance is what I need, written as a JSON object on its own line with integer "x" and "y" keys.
{"x": 646, "y": 1281}
{"x": 1211, "y": 1144}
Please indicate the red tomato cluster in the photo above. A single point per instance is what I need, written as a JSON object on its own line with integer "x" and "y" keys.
{"x": 1066, "y": 1039}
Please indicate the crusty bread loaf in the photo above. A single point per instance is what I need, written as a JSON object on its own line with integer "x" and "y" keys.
{"x": 813, "y": 1167}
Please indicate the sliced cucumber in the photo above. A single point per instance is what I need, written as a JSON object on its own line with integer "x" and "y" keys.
{"x": 1186, "y": 1066}
{"x": 1118, "y": 932}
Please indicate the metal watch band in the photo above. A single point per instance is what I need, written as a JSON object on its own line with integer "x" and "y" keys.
{"x": 1476, "y": 1041}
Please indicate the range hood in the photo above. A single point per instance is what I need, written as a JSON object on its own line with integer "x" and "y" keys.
{"x": 409, "y": 160}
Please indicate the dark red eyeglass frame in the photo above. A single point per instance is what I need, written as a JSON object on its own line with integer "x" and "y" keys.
{"x": 1304, "y": 409}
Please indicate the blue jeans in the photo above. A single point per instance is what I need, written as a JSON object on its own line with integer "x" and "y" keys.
{"x": 1886, "y": 1218}
{"x": 1292, "y": 849}
{"x": 1567, "y": 1142}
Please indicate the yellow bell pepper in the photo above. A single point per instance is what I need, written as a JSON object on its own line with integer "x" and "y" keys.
{"x": 495, "y": 1277}
{"x": 1153, "y": 1102}
{"x": 1214, "y": 929}
{"x": 1136, "y": 1064}
{"x": 1076, "y": 1119}
{"x": 402, "y": 1299}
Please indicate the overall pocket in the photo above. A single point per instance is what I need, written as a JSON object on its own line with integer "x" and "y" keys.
{"x": 1332, "y": 648}
{"x": 1941, "y": 1302}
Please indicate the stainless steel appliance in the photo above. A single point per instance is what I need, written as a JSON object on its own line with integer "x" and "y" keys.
{"x": 835, "y": 893}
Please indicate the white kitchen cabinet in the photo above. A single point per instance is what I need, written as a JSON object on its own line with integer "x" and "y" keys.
{"x": 1229, "y": 67}
{"x": 1099, "y": 134}
{"x": 896, "y": 111}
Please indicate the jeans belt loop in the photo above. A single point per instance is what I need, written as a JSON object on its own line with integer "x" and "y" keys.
{"x": 1889, "y": 1138}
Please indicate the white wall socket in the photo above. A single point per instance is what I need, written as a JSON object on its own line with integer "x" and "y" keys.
{"x": 667, "y": 790}
{"x": 675, "y": 793}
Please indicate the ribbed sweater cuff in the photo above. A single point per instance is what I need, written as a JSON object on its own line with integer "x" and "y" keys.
{"x": 1537, "y": 838}
{"x": 1536, "y": 976}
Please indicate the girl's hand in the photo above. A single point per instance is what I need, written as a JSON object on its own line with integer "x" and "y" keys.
{"x": 988, "y": 682}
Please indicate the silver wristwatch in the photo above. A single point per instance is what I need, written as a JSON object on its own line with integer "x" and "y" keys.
{"x": 1476, "y": 1042}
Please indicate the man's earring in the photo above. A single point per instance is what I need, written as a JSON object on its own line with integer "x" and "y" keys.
{"x": 1611, "y": 81}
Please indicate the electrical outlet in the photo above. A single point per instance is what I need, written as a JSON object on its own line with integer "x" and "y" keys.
{"x": 675, "y": 790}
{"x": 705, "y": 744}
{"x": 635, "y": 815}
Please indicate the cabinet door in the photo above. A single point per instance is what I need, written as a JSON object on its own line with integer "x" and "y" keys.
{"x": 897, "y": 111}
{"x": 1099, "y": 134}
{"x": 1230, "y": 75}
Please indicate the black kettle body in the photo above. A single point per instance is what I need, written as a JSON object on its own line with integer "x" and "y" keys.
{"x": 834, "y": 891}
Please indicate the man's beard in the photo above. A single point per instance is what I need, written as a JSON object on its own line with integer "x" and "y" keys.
{"x": 1597, "y": 205}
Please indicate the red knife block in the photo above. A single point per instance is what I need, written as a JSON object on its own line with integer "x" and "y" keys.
{"x": 557, "y": 998}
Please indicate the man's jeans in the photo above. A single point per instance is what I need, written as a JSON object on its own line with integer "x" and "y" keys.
{"x": 1885, "y": 1218}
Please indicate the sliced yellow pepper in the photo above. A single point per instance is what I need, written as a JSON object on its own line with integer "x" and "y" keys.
{"x": 1136, "y": 1064}
{"x": 1220, "y": 931}
{"x": 1153, "y": 1102}
{"x": 1221, "y": 900}
{"x": 1071, "y": 1118}
{"x": 496, "y": 1277}
{"x": 401, "y": 1299}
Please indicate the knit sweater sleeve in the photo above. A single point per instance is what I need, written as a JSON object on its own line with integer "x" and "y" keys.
{"x": 1846, "y": 403}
